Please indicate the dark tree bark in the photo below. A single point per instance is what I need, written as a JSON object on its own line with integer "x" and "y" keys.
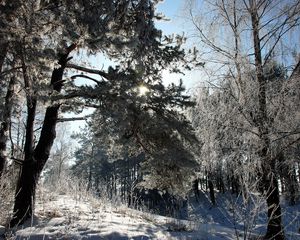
{"x": 3, "y": 52}
{"x": 211, "y": 191}
{"x": 24, "y": 192}
{"x": 36, "y": 159}
{"x": 234, "y": 185}
{"x": 196, "y": 188}
{"x": 89, "y": 185}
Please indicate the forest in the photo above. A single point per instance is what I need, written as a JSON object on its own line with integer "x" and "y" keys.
{"x": 150, "y": 119}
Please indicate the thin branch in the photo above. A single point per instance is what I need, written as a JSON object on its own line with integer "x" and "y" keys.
{"x": 17, "y": 160}
{"x": 286, "y": 134}
{"x": 285, "y": 147}
{"x": 72, "y": 119}
{"x": 12, "y": 151}
{"x": 207, "y": 41}
{"x": 37, "y": 129}
{"x": 282, "y": 33}
{"x": 89, "y": 70}
{"x": 75, "y": 94}
{"x": 87, "y": 77}
{"x": 240, "y": 128}
{"x": 296, "y": 70}
{"x": 3, "y": 73}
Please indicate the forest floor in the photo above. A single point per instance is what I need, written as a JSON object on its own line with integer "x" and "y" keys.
{"x": 80, "y": 216}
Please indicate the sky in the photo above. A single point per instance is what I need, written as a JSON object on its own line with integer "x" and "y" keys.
{"x": 173, "y": 10}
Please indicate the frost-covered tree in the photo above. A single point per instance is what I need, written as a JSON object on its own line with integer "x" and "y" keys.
{"x": 7, "y": 79}
{"x": 256, "y": 94}
{"x": 44, "y": 34}
{"x": 60, "y": 158}
{"x": 106, "y": 173}
{"x": 148, "y": 123}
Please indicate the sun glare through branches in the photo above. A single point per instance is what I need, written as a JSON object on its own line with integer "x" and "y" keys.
{"x": 142, "y": 90}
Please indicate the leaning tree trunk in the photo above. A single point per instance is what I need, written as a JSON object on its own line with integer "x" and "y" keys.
{"x": 269, "y": 181}
{"x": 35, "y": 160}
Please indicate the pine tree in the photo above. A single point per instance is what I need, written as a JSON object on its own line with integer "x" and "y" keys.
{"x": 49, "y": 32}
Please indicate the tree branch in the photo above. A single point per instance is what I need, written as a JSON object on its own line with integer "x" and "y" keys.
{"x": 87, "y": 77}
{"x": 88, "y": 70}
{"x": 2, "y": 74}
{"x": 72, "y": 119}
{"x": 286, "y": 147}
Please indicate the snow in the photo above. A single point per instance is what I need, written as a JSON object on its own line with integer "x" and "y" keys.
{"x": 67, "y": 216}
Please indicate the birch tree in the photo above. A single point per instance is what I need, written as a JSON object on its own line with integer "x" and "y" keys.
{"x": 269, "y": 24}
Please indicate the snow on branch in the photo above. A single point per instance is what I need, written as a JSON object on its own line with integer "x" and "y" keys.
{"x": 88, "y": 70}
{"x": 72, "y": 119}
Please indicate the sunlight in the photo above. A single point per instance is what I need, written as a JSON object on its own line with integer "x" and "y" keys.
{"x": 142, "y": 90}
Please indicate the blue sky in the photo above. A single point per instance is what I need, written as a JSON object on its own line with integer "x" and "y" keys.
{"x": 171, "y": 9}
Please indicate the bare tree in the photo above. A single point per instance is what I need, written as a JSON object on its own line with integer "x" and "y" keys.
{"x": 242, "y": 63}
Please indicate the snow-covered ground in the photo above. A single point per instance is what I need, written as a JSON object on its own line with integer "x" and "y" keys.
{"x": 248, "y": 221}
{"x": 65, "y": 216}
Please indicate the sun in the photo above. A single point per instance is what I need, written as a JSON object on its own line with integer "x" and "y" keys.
{"x": 142, "y": 90}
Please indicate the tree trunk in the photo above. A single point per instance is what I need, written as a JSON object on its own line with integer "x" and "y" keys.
{"x": 289, "y": 182}
{"x": 294, "y": 189}
{"x": 211, "y": 191}
{"x": 4, "y": 128}
{"x": 274, "y": 228}
{"x": 235, "y": 188}
{"x": 3, "y": 52}
{"x": 196, "y": 188}
{"x": 270, "y": 184}
{"x": 89, "y": 185}
{"x": 25, "y": 191}
{"x": 35, "y": 161}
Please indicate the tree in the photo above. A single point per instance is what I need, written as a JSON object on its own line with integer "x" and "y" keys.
{"x": 256, "y": 108}
{"x": 58, "y": 164}
{"x": 109, "y": 174}
{"x": 6, "y": 122}
{"x": 8, "y": 79}
{"x": 121, "y": 30}
{"x": 149, "y": 125}
{"x": 268, "y": 163}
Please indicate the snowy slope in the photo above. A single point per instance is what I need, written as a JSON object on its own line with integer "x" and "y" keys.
{"x": 249, "y": 220}
{"x": 68, "y": 217}
{"x": 64, "y": 216}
